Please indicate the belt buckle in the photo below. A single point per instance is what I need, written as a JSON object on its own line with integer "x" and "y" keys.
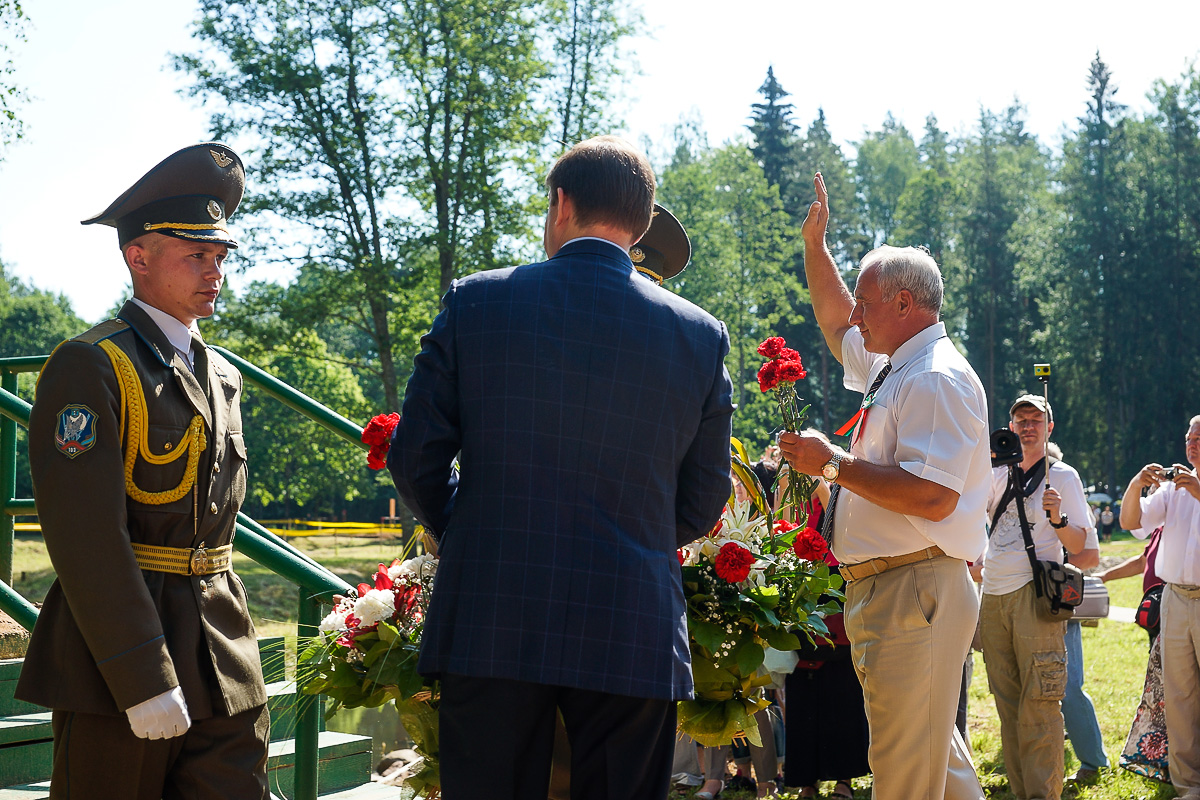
{"x": 199, "y": 562}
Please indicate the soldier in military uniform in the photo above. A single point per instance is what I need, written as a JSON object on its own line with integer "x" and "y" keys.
{"x": 145, "y": 649}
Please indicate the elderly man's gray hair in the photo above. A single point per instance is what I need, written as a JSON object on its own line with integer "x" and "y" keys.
{"x": 909, "y": 268}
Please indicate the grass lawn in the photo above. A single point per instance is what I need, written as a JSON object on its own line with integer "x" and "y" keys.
{"x": 1115, "y": 655}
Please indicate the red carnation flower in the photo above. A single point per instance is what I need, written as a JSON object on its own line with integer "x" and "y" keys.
{"x": 791, "y": 371}
{"x": 733, "y": 562}
{"x": 680, "y": 554}
{"x": 788, "y": 354}
{"x": 772, "y": 347}
{"x": 377, "y": 456}
{"x": 782, "y": 526}
{"x": 768, "y": 376}
{"x": 809, "y": 545}
{"x": 379, "y": 429}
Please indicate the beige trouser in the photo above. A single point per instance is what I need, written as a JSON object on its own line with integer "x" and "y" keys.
{"x": 910, "y": 629}
{"x": 1180, "y": 640}
{"x": 1026, "y": 660}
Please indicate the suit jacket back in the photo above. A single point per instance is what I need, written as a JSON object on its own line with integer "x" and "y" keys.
{"x": 590, "y": 410}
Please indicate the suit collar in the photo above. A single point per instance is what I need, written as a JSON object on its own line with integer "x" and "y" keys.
{"x": 149, "y": 332}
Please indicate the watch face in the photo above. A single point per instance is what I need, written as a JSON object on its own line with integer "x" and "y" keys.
{"x": 830, "y": 471}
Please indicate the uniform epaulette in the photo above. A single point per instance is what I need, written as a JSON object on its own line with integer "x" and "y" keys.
{"x": 103, "y": 331}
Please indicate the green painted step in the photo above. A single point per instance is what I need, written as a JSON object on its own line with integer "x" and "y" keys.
{"x": 10, "y": 670}
{"x": 344, "y": 763}
{"x": 281, "y": 702}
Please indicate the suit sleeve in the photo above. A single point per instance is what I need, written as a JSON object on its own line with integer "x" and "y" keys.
{"x": 425, "y": 443}
{"x": 82, "y": 509}
{"x": 704, "y": 474}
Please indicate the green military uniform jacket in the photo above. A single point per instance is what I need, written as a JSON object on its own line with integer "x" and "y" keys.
{"x": 111, "y": 635}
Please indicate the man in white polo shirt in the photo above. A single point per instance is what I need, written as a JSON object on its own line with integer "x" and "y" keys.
{"x": 1176, "y": 507}
{"x": 910, "y": 507}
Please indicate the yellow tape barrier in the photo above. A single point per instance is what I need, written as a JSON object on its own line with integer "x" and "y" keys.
{"x": 307, "y": 528}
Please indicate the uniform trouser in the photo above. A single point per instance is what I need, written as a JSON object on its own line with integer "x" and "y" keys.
{"x": 1079, "y": 714}
{"x": 1180, "y": 641}
{"x": 910, "y": 629}
{"x": 97, "y": 757}
{"x": 1027, "y": 673}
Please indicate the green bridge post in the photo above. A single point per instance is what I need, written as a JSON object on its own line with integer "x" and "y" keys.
{"x": 8, "y": 480}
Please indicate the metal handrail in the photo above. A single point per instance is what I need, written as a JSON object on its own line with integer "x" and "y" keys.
{"x": 317, "y": 584}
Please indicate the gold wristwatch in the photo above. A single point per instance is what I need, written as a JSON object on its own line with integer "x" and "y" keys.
{"x": 832, "y": 468}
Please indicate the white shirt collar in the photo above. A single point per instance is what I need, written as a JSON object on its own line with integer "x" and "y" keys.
{"x": 598, "y": 239}
{"x": 915, "y": 345}
{"x": 178, "y": 334}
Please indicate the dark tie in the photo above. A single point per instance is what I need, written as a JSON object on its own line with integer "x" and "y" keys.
{"x": 835, "y": 490}
{"x": 200, "y": 363}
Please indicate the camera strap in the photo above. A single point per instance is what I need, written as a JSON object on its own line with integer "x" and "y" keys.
{"x": 1021, "y": 485}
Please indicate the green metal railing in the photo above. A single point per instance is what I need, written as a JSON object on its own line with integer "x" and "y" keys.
{"x": 316, "y": 584}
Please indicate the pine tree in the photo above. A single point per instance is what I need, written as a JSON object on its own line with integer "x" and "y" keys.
{"x": 773, "y": 130}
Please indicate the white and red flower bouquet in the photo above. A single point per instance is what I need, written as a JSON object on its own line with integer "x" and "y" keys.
{"x": 366, "y": 655}
{"x": 754, "y": 582}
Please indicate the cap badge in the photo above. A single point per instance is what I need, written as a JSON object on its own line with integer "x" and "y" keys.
{"x": 222, "y": 160}
{"x": 637, "y": 255}
{"x": 214, "y": 209}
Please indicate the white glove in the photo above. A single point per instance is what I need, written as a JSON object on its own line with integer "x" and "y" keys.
{"x": 160, "y": 717}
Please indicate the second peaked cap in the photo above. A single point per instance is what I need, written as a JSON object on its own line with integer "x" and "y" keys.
{"x": 664, "y": 250}
{"x": 188, "y": 195}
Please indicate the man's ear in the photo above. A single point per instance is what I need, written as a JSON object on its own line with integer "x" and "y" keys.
{"x": 564, "y": 208}
{"x": 905, "y": 306}
{"x": 135, "y": 258}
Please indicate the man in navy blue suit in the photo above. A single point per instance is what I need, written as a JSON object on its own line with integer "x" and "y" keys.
{"x": 589, "y": 411}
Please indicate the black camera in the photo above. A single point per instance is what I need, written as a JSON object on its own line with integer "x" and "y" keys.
{"x": 1169, "y": 474}
{"x": 1006, "y": 448}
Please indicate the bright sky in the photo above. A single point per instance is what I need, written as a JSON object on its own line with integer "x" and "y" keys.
{"x": 106, "y": 105}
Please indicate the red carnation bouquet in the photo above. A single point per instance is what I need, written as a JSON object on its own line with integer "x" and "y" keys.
{"x": 779, "y": 375}
{"x": 378, "y": 436}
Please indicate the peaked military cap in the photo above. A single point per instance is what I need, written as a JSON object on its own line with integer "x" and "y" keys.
{"x": 664, "y": 250}
{"x": 188, "y": 195}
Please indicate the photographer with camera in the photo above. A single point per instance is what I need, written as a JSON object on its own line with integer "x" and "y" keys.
{"x": 1176, "y": 507}
{"x": 1023, "y": 642}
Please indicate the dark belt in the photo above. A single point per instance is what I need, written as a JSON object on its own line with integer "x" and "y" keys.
{"x": 852, "y": 572}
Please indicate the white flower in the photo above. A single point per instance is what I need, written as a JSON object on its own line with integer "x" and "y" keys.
{"x": 334, "y": 621}
{"x": 414, "y": 569}
{"x": 738, "y": 525}
{"x": 375, "y": 606}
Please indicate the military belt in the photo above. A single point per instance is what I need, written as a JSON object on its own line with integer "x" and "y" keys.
{"x": 875, "y": 566}
{"x": 183, "y": 560}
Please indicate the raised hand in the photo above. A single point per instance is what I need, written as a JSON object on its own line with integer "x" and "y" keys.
{"x": 817, "y": 222}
